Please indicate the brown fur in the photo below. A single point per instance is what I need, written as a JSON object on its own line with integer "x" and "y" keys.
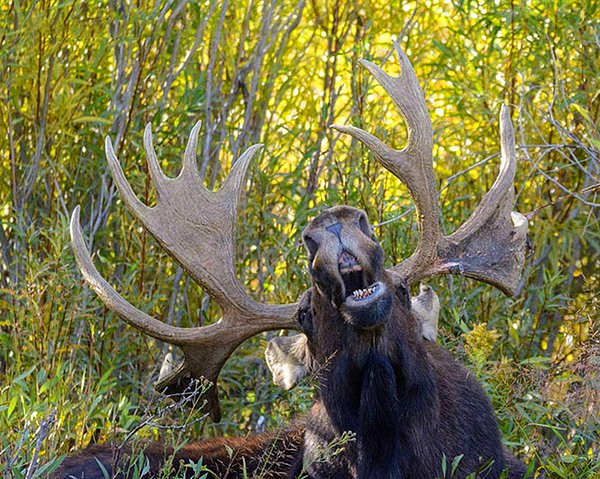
{"x": 268, "y": 456}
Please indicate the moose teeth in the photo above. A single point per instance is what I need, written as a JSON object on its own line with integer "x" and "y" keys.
{"x": 362, "y": 293}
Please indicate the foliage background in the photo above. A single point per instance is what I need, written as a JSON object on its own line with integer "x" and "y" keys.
{"x": 279, "y": 73}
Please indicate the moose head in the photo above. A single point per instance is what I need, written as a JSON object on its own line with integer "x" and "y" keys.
{"x": 381, "y": 379}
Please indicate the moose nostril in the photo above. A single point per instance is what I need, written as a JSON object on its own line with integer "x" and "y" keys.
{"x": 335, "y": 228}
{"x": 347, "y": 258}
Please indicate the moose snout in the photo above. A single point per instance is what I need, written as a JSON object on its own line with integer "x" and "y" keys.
{"x": 345, "y": 259}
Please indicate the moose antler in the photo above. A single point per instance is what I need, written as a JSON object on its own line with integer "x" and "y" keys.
{"x": 185, "y": 215}
{"x": 490, "y": 246}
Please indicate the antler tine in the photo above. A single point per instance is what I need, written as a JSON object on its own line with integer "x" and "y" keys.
{"x": 234, "y": 182}
{"x": 139, "y": 209}
{"x": 189, "y": 157}
{"x": 156, "y": 173}
{"x": 490, "y": 246}
{"x": 197, "y": 228}
{"x": 502, "y": 187}
{"x": 406, "y": 93}
{"x": 413, "y": 165}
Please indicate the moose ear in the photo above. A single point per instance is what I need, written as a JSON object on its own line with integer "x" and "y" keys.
{"x": 288, "y": 359}
{"x": 426, "y": 308}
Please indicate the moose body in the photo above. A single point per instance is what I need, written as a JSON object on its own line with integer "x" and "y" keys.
{"x": 409, "y": 406}
{"x": 405, "y": 399}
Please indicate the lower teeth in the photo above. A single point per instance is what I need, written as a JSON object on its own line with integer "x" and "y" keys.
{"x": 363, "y": 293}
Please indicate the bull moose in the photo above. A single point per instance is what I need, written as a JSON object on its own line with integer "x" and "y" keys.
{"x": 405, "y": 402}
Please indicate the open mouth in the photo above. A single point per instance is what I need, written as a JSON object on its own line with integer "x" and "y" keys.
{"x": 355, "y": 283}
{"x": 366, "y": 304}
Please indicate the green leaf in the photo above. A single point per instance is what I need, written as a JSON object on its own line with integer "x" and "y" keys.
{"x": 92, "y": 119}
{"x": 455, "y": 463}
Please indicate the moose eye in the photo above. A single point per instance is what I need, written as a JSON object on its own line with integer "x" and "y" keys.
{"x": 364, "y": 226}
{"x": 403, "y": 295}
{"x": 311, "y": 245}
{"x": 304, "y": 319}
{"x": 304, "y": 315}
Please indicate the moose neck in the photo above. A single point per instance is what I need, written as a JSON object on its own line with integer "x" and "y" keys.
{"x": 378, "y": 384}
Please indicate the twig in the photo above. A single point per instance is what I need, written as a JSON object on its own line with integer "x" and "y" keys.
{"x": 40, "y": 437}
{"x": 395, "y": 218}
{"x": 191, "y": 396}
{"x": 208, "y": 98}
{"x": 576, "y": 194}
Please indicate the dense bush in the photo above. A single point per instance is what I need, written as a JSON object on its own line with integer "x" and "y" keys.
{"x": 279, "y": 73}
